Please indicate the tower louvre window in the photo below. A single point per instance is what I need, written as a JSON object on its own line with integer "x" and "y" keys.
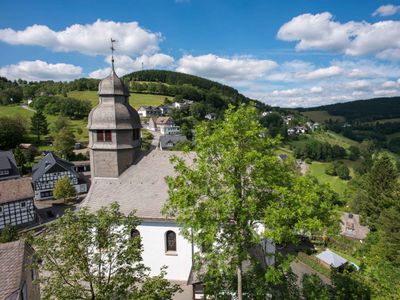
{"x": 136, "y": 134}
{"x": 104, "y": 136}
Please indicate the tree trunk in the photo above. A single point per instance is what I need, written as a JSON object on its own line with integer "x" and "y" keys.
{"x": 239, "y": 281}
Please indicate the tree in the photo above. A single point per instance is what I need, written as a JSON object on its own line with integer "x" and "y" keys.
{"x": 19, "y": 157}
{"x": 375, "y": 194}
{"x": 8, "y": 234}
{"x": 236, "y": 184}
{"x": 354, "y": 153}
{"x": 12, "y": 131}
{"x": 343, "y": 172}
{"x": 39, "y": 125}
{"x": 64, "y": 189}
{"x": 92, "y": 256}
{"x": 64, "y": 141}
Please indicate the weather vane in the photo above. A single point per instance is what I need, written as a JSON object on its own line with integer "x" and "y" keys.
{"x": 112, "y": 52}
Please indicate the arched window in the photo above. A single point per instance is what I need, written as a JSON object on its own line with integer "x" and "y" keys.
{"x": 135, "y": 233}
{"x": 170, "y": 241}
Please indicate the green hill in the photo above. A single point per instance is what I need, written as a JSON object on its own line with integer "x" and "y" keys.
{"x": 362, "y": 110}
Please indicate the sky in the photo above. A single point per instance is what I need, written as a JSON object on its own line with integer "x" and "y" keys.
{"x": 287, "y": 53}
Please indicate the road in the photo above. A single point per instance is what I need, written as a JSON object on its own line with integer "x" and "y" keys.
{"x": 300, "y": 269}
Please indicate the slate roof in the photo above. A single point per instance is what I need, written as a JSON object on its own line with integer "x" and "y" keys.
{"x": 11, "y": 265}
{"x": 331, "y": 258}
{"x": 166, "y": 139}
{"x": 141, "y": 187}
{"x": 15, "y": 189}
{"x": 7, "y": 162}
{"x": 47, "y": 162}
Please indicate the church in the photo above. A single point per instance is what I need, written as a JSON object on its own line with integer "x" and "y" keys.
{"x": 122, "y": 173}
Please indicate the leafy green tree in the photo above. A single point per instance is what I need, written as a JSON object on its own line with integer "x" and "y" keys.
{"x": 39, "y": 125}
{"x": 236, "y": 184}
{"x": 64, "y": 189}
{"x": 19, "y": 157}
{"x": 64, "y": 141}
{"x": 343, "y": 172}
{"x": 354, "y": 153}
{"x": 313, "y": 288}
{"x": 92, "y": 256}
{"x": 8, "y": 234}
{"x": 12, "y": 131}
{"x": 331, "y": 169}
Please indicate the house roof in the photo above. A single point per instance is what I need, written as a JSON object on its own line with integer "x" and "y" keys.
{"x": 351, "y": 226}
{"x": 331, "y": 258}
{"x": 141, "y": 187}
{"x": 47, "y": 162}
{"x": 166, "y": 139}
{"x": 15, "y": 189}
{"x": 12, "y": 264}
{"x": 163, "y": 120}
{"x": 7, "y": 162}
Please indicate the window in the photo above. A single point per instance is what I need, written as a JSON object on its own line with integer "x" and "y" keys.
{"x": 23, "y": 204}
{"x": 103, "y": 135}
{"x": 136, "y": 134}
{"x": 170, "y": 241}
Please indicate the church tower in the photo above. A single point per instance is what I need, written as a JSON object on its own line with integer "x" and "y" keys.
{"x": 114, "y": 129}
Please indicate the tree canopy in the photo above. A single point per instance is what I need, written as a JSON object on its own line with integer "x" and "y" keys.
{"x": 237, "y": 186}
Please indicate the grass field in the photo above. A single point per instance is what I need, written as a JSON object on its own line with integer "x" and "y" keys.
{"x": 317, "y": 169}
{"x": 12, "y": 111}
{"x": 334, "y": 139}
{"x": 321, "y": 116}
{"x": 136, "y": 100}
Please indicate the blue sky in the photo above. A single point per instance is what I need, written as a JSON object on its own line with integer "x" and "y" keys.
{"x": 286, "y": 53}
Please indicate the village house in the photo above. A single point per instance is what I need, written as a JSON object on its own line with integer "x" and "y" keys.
{"x": 330, "y": 259}
{"x": 296, "y": 130}
{"x": 16, "y": 203}
{"x": 352, "y": 228}
{"x": 170, "y": 141}
{"x": 149, "y": 111}
{"x": 170, "y": 130}
{"x": 165, "y": 109}
{"x": 155, "y": 124}
{"x": 17, "y": 278}
{"x": 48, "y": 171}
{"x": 287, "y": 119}
{"x": 210, "y": 116}
{"x": 8, "y": 166}
{"x": 182, "y": 104}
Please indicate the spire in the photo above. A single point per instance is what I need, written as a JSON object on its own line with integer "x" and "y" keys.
{"x": 112, "y": 53}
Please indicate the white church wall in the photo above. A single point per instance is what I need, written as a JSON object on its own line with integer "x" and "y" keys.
{"x": 154, "y": 250}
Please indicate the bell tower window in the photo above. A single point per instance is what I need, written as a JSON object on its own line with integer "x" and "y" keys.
{"x": 104, "y": 135}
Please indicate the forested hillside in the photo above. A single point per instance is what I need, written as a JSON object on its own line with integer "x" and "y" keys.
{"x": 363, "y": 110}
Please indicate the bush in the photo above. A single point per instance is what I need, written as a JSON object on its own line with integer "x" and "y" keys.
{"x": 343, "y": 172}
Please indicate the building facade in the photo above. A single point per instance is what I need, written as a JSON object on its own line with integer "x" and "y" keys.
{"x": 49, "y": 170}
{"x": 8, "y": 166}
{"x": 16, "y": 203}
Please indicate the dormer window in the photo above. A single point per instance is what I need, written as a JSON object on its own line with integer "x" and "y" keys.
{"x": 104, "y": 135}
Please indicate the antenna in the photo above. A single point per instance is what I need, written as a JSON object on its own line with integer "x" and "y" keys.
{"x": 142, "y": 66}
{"x": 112, "y": 52}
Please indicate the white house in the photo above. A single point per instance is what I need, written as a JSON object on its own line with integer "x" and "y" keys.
{"x": 170, "y": 130}
{"x": 148, "y": 111}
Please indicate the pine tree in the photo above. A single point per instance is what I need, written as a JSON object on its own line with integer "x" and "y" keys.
{"x": 19, "y": 157}
{"x": 39, "y": 125}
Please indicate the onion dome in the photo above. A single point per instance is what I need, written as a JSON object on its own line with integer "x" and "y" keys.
{"x": 113, "y": 85}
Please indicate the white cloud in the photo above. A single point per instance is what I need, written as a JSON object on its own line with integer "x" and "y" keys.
{"x": 323, "y": 73}
{"x": 235, "y": 69}
{"x": 389, "y": 92}
{"x": 358, "y": 84}
{"x": 125, "y": 64}
{"x": 389, "y": 54}
{"x": 39, "y": 70}
{"x": 316, "y": 89}
{"x": 287, "y": 93}
{"x": 386, "y": 10}
{"x": 391, "y": 84}
{"x": 321, "y": 32}
{"x": 91, "y": 39}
